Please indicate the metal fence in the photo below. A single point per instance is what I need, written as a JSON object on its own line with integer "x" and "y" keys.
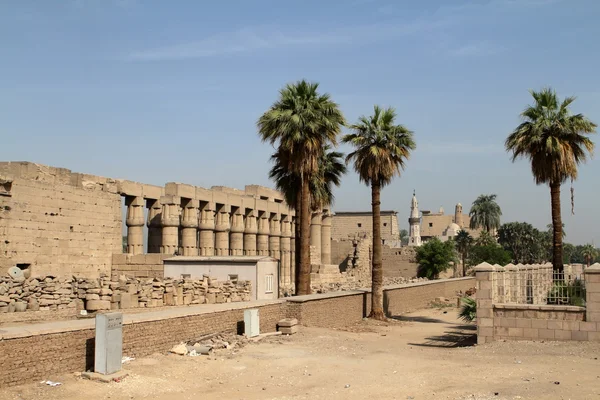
{"x": 538, "y": 284}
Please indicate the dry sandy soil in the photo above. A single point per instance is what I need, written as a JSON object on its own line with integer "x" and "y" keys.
{"x": 426, "y": 355}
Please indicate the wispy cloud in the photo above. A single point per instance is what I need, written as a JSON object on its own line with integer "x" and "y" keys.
{"x": 263, "y": 38}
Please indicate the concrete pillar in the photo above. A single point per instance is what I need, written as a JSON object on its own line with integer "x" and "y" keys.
{"x": 250, "y": 231}
{"x": 275, "y": 236}
{"x": 293, "y": 251}
{"x": 285, "y": 244}
{"x": 207, "y": 230}
{"x": 484, "y": 274}
{"x": 170, "y": 224}
{"x": 189, "y": 233}
{"x": 222, "y": 228}
{"x": 592, "y": 290}
{"x": 326, "y": 238}
{"x": 135, "y": 224}
{"x": 262, "y": 238}
{"x": 236, "y": 235}
{"x": 154, "y": 226}
{"x": 315, "y": 234}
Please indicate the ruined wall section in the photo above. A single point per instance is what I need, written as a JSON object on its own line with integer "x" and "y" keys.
{"x": 399, "y": 262}
{"x": 350, "y": 225}
{"x": 58, "y": 221}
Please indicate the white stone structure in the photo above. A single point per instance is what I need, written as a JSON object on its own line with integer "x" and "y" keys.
{"x": 415, "y": 223}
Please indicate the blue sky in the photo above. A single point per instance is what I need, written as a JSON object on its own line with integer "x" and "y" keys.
{"x": 158, "y": 91}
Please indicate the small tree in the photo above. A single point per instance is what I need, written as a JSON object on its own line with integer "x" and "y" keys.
{"x": 434, "y": 257}
{"x": 489, "y": 253}
{"x": 589, "y": 254}
{"x": 463, "y": 241}
{"x": 404, "y": 237}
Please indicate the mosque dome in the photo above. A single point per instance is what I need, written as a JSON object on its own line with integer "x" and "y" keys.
{"x": 452, "y": 229}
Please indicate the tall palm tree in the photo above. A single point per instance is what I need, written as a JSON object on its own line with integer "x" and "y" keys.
{"x": 381, "y": 151}
{"x": 555, "y": 142}
{"x": 331, "y": 169}
{"x": 485, "y": 213}
{"x": 589, "y": 253}
{"x": 464, "y": 241}
{"x": 301, "y": 122}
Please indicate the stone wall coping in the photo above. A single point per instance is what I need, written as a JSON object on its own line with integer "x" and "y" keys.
{"x": 320, "y": 296}
{"x": 45, "y": 328}
{"x": 593, "y": 269}
{"x": 538, "y": 307}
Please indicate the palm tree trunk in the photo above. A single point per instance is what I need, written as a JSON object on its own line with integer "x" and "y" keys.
{"x": 297, "y": 241}
{"x": 557, "y": 263}
{"x": 464, "y": 256}
{"x": 377, "y": 271}
{"x": 304, "y": 266}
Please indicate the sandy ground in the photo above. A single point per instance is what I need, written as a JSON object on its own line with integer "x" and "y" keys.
{"x": 426, "y": 355}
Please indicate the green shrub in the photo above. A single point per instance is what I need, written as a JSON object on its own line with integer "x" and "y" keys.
{"x": 567, "y": 293}
{"x": 468, "y": 311}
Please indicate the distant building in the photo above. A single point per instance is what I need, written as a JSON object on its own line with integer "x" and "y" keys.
{"x": 359, "y": 224}
{"x": 440, "y": 225}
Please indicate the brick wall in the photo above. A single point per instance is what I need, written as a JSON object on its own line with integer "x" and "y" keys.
{"x": 57, "y": 221}
{"x": 38, "y": 352}
{"x": 139, "y": 265}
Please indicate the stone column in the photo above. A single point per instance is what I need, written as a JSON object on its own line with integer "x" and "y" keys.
{"x": 274, "y": 237}
{"x": 154, "y": 226}
{"x": 170, "y": 224}
{"x": 326, "y": 238}
{"x": 285, "y": 250}
{"x": 207, "y": 230}
{"x": 222, "y": 228}
{"x": 315, "y": 235}
{"x": 135, "y": 224}
{"x": 236, "y": 236}
{"x": 293, "y": 251}
{"x": 262, "y": 239}
{"x": 484, "y": 274}
{"x": 250, "y": 234}
{"x": 189, "y": 233}
{"x": 592, "y": 291}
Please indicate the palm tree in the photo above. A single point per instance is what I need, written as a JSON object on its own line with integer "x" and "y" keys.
{"x": 381, "y": 151}
{"x": 555, "y": 142}
{"x": 589, "y": 253}
{"x": 301, "y": 122}
{"x": 485, "y": 213}
{"x": 550, "y": 229}
{"x": 464, "y": 241}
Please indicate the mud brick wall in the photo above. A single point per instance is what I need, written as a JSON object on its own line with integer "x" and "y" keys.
{"x": 415, "y": 296}
{"x": 139, "y": 265}
{"x": 29, "y": 359}
{"x": 62, "y": 223}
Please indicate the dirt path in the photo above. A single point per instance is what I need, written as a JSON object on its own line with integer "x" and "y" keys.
{"x": 427, "y": 355}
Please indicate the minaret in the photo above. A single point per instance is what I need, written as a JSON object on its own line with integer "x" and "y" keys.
{"x": 415, "y": 223}
{"x": 458, "y": 220}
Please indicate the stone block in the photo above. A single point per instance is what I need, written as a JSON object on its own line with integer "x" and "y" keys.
{"x": 587, "y": 326}
{"x": 288, "y": 330}
{"x": 546, "y": 333}
{"x": 570, "y": 325}
{"x": 288, "y": 322}
{"x": 168, "y": 299}
{"x": 593, "y": 316}
{"x": 515, "y": 332}
{"x": 506, "y": 322}
{"x": 561, "y": 334}
{"x": 539, "y": 324}
{"x": 579, "y": 335}
{"x": 485, "y": 322}
{"x": 555, "y": 324}
{"x": 530, "y": 333}
{"x": 500, "y": 331}
{"x": 97, "y": 305}
{"x": 594, "y": 336}
{"x": 523, "y": 323}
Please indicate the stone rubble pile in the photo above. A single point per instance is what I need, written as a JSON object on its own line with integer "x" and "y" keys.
{"x": 120, "y": 292}
{"x": 228, "y": 341}
{"x": 362, "y": 284}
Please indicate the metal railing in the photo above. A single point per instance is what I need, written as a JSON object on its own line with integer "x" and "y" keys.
{"x": 538, "y": 284}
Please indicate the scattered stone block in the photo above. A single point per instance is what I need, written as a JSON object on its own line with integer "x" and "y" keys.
{"x": 288, "y": 330}
{"x": 97, "y": 305}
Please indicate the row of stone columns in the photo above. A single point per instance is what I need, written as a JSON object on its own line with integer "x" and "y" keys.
{"x": 208, "y": 229}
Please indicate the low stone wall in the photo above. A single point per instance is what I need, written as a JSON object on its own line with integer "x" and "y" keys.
{"x": 69, "y": 295}
{"x": 139, "y": 265}
{"x": 529, "y": 322}
{"x": 42, "y": 351}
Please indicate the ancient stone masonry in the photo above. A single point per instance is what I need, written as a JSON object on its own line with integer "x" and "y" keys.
{"x": 122, "y": 292}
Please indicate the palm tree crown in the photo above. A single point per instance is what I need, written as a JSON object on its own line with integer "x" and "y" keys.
{"x": 485, "y": 213}
{"x": 382, "y": 148}
{"x": 551, "y": 138}
{"x": 331, "y": 169}
{"x": 302, "y": 121}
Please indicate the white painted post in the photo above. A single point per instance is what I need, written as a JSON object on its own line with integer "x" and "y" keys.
{"x": 109, "y": 343}
{"x": 251, "y": 323}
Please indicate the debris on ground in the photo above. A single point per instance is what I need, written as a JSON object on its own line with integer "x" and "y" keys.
{"x": 51, "y": 383}
{"x": 126, "y": 359}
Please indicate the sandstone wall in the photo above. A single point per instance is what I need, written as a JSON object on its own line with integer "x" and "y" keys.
{"x": 351, "y": 225}
{"x": 58, "y": 221}
{"x": 139, "y": 265}
{"x": 399, "y": 262}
